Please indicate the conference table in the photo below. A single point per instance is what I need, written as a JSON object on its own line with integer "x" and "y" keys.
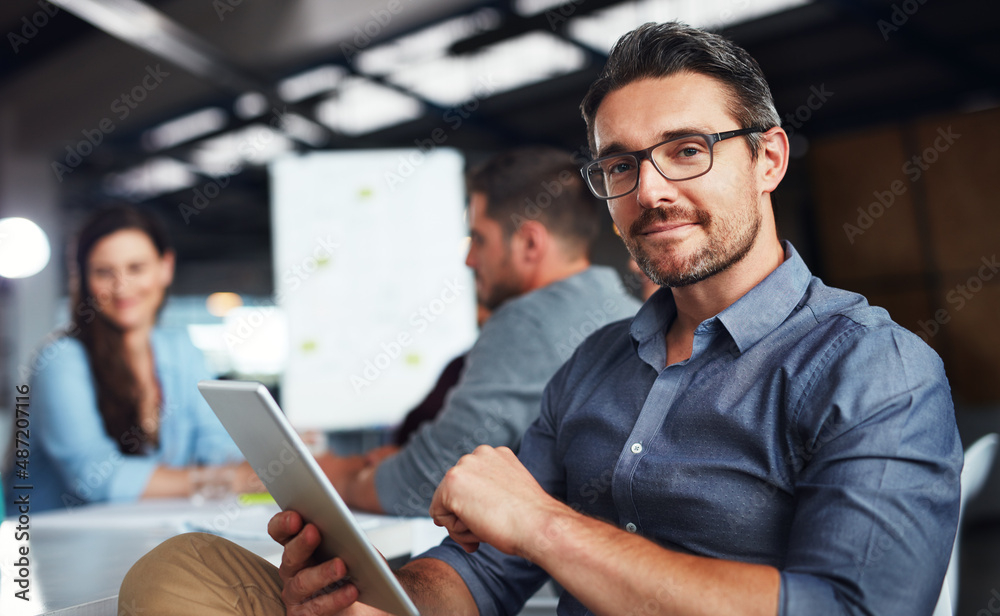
{"x": 78, "y": 557}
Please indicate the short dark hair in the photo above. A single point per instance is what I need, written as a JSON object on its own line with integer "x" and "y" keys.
{"x": 659, "y": 50}
{"x": 543, "y": 184}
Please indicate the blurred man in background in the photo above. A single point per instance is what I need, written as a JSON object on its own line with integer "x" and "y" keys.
{"x": 532, "y": 221}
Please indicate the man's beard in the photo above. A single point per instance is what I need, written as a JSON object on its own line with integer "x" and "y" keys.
{"x": 502, "y": 289}
{"x": 716, "y": 256}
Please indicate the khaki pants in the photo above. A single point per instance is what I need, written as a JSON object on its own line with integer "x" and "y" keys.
{"x": 200, "y": 574}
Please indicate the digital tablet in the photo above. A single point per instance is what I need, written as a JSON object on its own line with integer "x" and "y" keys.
{"x": 294, "y": 479}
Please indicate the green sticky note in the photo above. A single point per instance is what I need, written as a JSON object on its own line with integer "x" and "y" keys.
{"x": 262, "y": 498}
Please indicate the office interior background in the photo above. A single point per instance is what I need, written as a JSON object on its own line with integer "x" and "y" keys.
{"x": 892, "y": 106}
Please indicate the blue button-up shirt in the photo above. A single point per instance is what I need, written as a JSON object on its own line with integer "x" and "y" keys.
{"x": 73, "y": 459}
{"x": 807, "y": 431}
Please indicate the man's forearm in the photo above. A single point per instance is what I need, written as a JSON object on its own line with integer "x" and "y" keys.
{"x": 614, "y": 572}
{"x": 354, "y": 479}
{"x": 436, "y": 588}
{"x": 359, "y": 490}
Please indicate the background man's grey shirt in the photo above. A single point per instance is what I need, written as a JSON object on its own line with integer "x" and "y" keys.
{"x": 499, "y": 394}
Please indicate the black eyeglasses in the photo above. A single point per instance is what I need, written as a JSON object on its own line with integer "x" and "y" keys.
{"x": 677, "y": 159}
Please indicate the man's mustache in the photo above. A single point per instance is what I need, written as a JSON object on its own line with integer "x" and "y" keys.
{"x": 650, "y": 217}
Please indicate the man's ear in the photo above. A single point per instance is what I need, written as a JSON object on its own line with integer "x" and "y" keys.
{"x": 772, "y": 161}
{"x": 531, "y": 242}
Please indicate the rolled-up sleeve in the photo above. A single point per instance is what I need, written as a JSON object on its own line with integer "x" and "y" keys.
{"x": 878, "y": 482}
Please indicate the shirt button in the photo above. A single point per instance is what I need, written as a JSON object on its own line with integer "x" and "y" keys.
{"x": 636, "y": 447}
{"x": 630, "y": 527}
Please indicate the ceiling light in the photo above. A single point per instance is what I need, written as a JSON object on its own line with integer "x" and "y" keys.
{"x": 184, "y": 128}
{"x": 511, "y": 64}
{"x": 310, "y": 83}
{"x": 250, "y": 105}
{"x": 528, "y": 8}
{"x": 303, "y": 130}
{"x": 226, "y": 154}
{"x": 154, "y": 177}
{"x": 427, "y": 44}
{"x": 361, "y": 106}
{"x": 601, "y": 29}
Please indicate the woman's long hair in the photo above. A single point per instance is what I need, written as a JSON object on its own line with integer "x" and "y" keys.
{"x": 116, "y": 384}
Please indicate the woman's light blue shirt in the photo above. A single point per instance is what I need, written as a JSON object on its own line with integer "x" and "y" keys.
{"x": 74, "y": 461}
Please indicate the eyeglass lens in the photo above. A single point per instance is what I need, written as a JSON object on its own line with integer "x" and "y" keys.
{"x": 680, "y": 159}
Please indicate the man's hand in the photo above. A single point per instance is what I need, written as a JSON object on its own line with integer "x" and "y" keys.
{"x": 308, "y": 587}
{"x": 488, "y": 496}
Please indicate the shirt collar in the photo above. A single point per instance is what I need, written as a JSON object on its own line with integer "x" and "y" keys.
{"x": 759, "y": 312}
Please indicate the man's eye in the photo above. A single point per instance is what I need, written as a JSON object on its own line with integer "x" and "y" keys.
{"x": 619, "y": 166}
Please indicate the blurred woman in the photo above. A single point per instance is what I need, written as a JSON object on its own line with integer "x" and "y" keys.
{"x": 116, "y": 414}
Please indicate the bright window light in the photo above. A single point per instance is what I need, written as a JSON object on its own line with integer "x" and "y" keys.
{"x": 513, "y": 63}
{"x": 600, "y": 30}
{"x": 361, "y": 106}
{"x": 310, "y": 83}
{"x": 154, "y": 177}
{"x": 427, "y": 44}
{"x": 185, "y": 128}
{"x": 226, "y": 154}
{"x": 24, "y": 248}
{"x": 257, "y": 339}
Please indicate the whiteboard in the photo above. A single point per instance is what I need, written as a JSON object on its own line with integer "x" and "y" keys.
{"x": 369, "y": 250}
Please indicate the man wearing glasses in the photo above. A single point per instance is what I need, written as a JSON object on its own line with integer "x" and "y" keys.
{"x": 752, "y": 442}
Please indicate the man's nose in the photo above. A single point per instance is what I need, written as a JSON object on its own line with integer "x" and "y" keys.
{"x": 654, "y": 190}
